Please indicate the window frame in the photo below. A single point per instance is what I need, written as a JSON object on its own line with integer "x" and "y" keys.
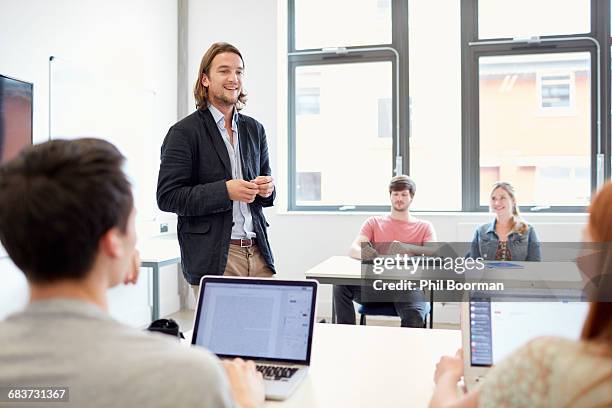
{"x": 472, "y": 48}
{"x": 354, "y": 54}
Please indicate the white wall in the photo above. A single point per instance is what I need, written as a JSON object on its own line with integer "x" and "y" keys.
{"x": 132, "y": 42}
{"x": 301, "y": 240}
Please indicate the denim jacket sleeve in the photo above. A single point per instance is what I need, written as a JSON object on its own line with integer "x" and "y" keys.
{"x": 533, "y": 251}
{"x": 475, "y": 246}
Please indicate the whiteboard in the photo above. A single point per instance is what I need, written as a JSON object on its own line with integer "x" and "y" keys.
{"x": 84, "y": 102}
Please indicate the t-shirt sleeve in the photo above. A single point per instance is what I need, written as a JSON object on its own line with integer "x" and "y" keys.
{"x": 367, "y": 229}
{"x": 430, "y": 233}
{"x": 520, "y": 380}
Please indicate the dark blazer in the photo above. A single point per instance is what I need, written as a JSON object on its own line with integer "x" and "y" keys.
{"x": 192, "y": 175}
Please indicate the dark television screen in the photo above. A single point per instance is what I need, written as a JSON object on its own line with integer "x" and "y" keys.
{"x": 15, "y": 116}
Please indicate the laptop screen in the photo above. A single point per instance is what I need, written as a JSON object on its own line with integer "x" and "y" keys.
{"x": 497, "y": 328}
{"x": 256, "y": 319}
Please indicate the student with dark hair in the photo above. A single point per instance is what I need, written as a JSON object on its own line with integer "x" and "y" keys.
{"x": 397, "y": 232}
{"x": 549, "y": 371}
{"x": 67, "y": 221}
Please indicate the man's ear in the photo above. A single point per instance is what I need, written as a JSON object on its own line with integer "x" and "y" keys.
{"x": 205, "y": 81}
{"x": 110, "y": 243}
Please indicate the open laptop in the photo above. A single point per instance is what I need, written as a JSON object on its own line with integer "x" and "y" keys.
{"x": 269, "y": 321}
{"x": 494, "y": 326}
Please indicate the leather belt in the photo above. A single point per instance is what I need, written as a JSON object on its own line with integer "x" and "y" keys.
{"x": 244, "y": 242}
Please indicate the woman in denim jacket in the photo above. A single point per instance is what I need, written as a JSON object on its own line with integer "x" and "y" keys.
{"x": 508, "y": 237}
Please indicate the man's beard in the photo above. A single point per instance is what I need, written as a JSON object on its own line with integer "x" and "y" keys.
{"x": 226, "y": 100}
{"x": 400, "y": 209}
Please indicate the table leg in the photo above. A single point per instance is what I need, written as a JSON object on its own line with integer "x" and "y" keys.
{"x": 431, "y": 305}
{"x": 155, "y": 309}
{"x": 333, "y": 316}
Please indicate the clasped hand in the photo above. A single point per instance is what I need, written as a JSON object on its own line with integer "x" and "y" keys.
{"x": 246, "y": 191}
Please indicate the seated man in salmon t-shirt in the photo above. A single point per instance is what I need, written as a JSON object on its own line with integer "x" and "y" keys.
{"x": 405, "y": 234}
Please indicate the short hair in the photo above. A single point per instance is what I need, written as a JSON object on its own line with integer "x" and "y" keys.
{"x": 200, "y": 92}
{"x": 58, "y": 199}
{"x": 401, "y": 183}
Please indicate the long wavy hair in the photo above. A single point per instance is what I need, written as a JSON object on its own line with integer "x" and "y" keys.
{"x": 200, "y": 92}
{"x": 597, "y": 328}
{"x": 598, "y": 324}
{"x": 519, "y": 225}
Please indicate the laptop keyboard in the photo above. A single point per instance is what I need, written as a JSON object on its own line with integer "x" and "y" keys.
{"x": 276, "y": 373}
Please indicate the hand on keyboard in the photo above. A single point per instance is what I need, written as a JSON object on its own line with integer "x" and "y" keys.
{"x": 276, "y": 372}
{"x": 245, "y": 382}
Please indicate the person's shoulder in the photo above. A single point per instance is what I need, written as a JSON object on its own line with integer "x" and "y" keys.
{"x": 159, "y": 349}
{"x": 377, "y": 220}
{"x": 529, "y": 229}
{"x": 551, "y": 347}
{"x": 251, "y": 122}
{"x": 554, "y": 344}
{"x": 548, "y": 350}
{"x": 248, "y": 119}
{"x": 189, "y": 122}
{"x": 197, "y": 375}
{"x": 371, "y": 224}
{"x": 421, "y": 223}
{"x": 10, "y": 328}
{"x": 483, "y": 228}
{"x": 188, "y": 129}
{"x": 532, "y": 358}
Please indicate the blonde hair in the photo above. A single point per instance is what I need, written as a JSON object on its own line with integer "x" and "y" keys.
{"x": 200, "y": 92}
{"x": 519, "y": 225}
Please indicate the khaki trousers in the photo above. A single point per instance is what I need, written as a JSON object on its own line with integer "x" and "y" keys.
{"x": 242, "y": 261}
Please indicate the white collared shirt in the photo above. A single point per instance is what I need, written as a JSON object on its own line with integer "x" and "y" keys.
{"x": 243, "y": 221}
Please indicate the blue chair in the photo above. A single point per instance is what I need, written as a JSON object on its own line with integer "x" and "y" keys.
{"x": 387, "y": 309}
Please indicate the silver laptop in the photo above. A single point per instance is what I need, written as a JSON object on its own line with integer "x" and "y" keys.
{"x": 269, "y": 321}
{"x": 494, "y": 326}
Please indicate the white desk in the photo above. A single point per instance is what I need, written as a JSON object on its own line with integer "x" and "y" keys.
{"x": 371, "y": 366}
{"x": 535, "y": 278}
{"x": 343, "y": 270}
{"x": 339, "y": 270}
{"x": 155, "y": 253}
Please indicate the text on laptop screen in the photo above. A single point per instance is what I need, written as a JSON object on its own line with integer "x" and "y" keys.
{"x": 499, "y": 328}
{"x": 263, "y": 321}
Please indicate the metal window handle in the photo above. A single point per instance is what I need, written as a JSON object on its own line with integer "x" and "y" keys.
{"x": 600, "y": 170}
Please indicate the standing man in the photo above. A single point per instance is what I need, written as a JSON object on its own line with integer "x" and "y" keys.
{"x": 215, "y": 175}
{"x": 397, "y": 233}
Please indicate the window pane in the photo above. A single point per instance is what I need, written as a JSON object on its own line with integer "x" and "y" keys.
{"x": 525, "y": 18}
{"x": 341, "y": 23}
{"x": 535, "y": 127}
{"x": 341, "y": 156}
{"x": 435, "y": 99}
